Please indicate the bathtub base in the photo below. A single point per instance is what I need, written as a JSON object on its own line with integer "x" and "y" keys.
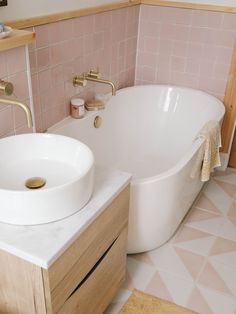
{"x": 157, "y": 209}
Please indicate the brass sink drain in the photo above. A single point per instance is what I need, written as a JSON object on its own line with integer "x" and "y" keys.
{"x": 35, "y": 183}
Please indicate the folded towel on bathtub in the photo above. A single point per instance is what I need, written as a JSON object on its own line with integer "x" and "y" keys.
{"x": 208, "y": 156}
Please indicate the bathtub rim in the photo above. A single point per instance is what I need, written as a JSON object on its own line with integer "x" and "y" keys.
{"x": 187, "y": 156}
{"x": 195, "y": 146}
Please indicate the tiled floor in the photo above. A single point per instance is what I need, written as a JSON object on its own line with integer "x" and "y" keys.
{"x": 197, "y": 267}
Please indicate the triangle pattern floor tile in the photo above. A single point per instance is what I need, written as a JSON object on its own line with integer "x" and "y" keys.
{"x": 211, "y": 279}
{"x": 232, "y": 210}
{"x": 222, "y": 246}
{"x": 228, "y": 259}
{"x": 230, "y": 178}
{"x": 166, "y": 258}
{"x": 179, "y": 288}
{"x": 211, "y": 226}
{"x": 199, "y": 246}
{"x": 198, "y": 303}
{"x": 205, "y": 203}
{"x": 228, "y": 229}
{"x": 140, "y": 273}
{"x": 192, "y": 262}
{"x": 157, "y": 288}
{"x": 229, "y": 188}
{"x": 227, "y": 273}
{"x": 186, "y": 233}
{"x": 197, "y": 214}
{"x": 219, "y": 303}
{"x": 218, "y": 197}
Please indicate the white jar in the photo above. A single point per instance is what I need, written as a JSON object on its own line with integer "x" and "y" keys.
{"x": 77, "y": 108}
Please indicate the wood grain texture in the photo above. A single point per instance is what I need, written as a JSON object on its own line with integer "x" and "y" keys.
{"x": 98, "y": 290}
{"x": 69, "y": 269}
{"x": 16, "y": 39}
{"x": 230, "y": 106}
{"x": 189, "y": 5}
{"x": 21, "y": 286}
{"x": 45, "y": 19}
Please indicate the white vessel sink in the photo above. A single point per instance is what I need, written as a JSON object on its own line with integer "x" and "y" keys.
{"x": 64, "y": 164}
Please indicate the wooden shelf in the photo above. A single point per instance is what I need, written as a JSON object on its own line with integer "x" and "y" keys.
{"x": 16, "y": 39}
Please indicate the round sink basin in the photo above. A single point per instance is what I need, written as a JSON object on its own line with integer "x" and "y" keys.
{"x": 43, "y": 178}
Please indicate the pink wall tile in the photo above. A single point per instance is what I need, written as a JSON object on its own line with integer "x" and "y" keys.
{"x": 66, "y": 48}
{"x": 42, "y": 35}
{"x": 6, "y": 121}
{"x": 3, "y": 65}
{"x": 175, "y": 46}
{"x": 16, "y": 60}
{"x": 195, "y": 47}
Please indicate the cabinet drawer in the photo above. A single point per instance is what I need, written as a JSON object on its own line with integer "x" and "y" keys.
{"x": 62, "y": 278}
{"x": 97, "y": 290}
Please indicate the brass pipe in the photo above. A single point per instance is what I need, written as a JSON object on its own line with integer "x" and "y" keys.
{"x": 93, "y": 79}
{"x": 23, "y": 106}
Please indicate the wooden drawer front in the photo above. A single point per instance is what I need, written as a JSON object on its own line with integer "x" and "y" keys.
{"x": 96, "y": 292}
{"x": 69, "y": 270}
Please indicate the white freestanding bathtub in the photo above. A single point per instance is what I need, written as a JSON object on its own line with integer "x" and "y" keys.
{"x": 149, "y": 131}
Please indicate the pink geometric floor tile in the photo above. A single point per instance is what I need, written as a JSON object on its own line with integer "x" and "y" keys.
{"x": 219, "y": 303}
{"x": 198, "y": 303}
{"x": 197, "y": 214}
{"x": 218, "y": 196}
{"x": 194, "y": 240}
{"x": 232, "y": 210}
{"x": 229, "y": 178}
{"x": 140, "y": 273}
{"x": 179, "y": 289}
{"x": 228, "y": 274}
{"x": 228, "y": 229}
{"x": 228, "y": 188}
{"x": 176, "y": 261}
{"x": 222, "y": 246}
{"x": 157, "y": 288}
{"x": 205, "y": 221}
{"x": 186, "y": 234}
{"x": 205, "y": 203}
{"x": 211, "y": 279}
{"x": 191, "y": 261}
{"x": 196, "y": 268}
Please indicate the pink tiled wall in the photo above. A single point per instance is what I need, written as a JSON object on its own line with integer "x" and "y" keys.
{"x": 13, "y": 68}
{"x": 67, "y": 48}
{"x": 175, "y": 46}
{"x": 185, "y": 47}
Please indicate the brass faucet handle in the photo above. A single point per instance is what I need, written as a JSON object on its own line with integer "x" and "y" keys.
{"x": 80, "y": 80}
{"x": 94, "y": 74}
{"x": 6, "y": 88}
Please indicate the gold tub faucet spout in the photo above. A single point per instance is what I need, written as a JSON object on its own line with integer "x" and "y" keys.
{"x": 92, "y": 76}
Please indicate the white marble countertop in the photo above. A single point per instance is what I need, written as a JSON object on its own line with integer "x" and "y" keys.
{"x": 42, "y": 244}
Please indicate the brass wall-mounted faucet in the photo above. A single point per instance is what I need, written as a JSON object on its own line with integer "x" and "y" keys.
{"x": 7, "y": 89}
{"x": 93, "y": 76}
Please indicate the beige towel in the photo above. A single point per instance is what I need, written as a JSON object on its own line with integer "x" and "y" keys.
{"x": 208, "y": 156}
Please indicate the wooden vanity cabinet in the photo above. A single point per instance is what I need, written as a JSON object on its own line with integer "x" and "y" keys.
{"x": 83, "y": 280}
